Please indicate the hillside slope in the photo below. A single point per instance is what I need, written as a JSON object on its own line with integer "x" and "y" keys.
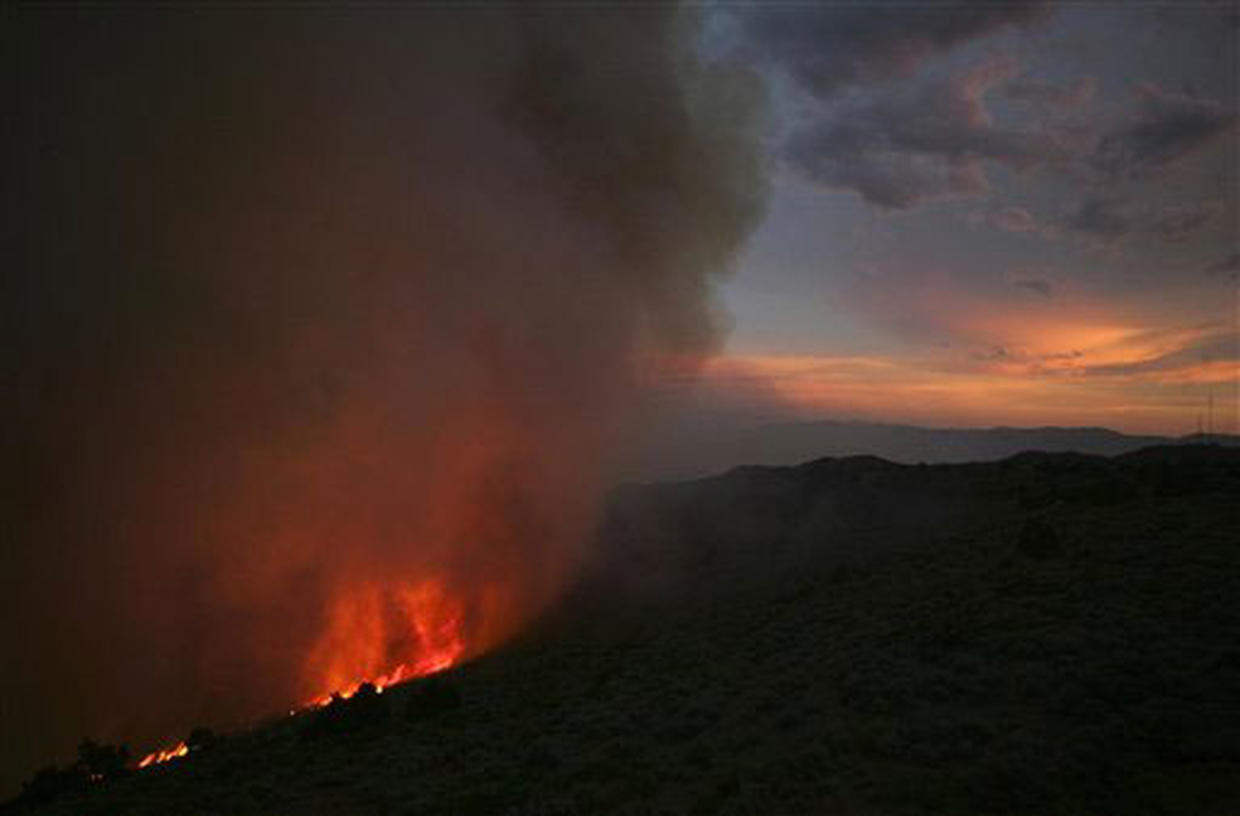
{"x": 1051, "y": 634}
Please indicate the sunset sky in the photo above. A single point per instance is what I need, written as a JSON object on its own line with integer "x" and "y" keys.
{"x": 1017, "y": 214}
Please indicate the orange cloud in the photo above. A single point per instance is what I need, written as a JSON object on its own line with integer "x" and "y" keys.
{"x": 961, "y": 355}
{"x": 936, "y": 391}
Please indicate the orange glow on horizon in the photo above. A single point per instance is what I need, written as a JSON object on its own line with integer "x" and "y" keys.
{"x": 1123, "y": 387}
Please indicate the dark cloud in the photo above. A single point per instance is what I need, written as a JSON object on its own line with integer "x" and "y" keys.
{"x": 899, "y": 144}
{"x": 1100, "y": 218}
{"x": 1013, "y": 219}
{"x": 1215, "y": 347}
{"x": 1202, "y": 21}
{"x": 1051, "y": 95}
{"x": 826, "y": 46}
{"x": 1175, "y": 225}
{"x": 1109, "y": 219}
{"x": 990, "y": 355}
{"x": 1166, "y": 128}
{"x": 905, "y": 145}
{"x": 890, "y": 180}
{"x": 1229, "y": 265}
{"x": 1035, "y": 285}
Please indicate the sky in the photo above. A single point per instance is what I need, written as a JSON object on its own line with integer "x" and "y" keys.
{"x": 995, "y": 214}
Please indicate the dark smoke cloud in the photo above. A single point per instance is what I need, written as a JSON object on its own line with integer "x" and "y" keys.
{"x": 309, "y": 299}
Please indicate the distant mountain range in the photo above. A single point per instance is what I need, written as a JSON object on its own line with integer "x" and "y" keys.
{"x": 691, "y": 455}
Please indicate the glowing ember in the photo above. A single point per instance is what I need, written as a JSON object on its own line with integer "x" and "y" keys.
{"x": 383, "y": 634}
{"x": 176, "y": 752}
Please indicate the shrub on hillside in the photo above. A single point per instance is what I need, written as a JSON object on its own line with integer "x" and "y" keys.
{"x": 96, "y": 763}
{"x": 365, "y": 708}
{"x": 99, "y": 762}
{"x": 1038, "y": 539}
{"x": 200, "y": 739}
{"x": 432, "y": 696}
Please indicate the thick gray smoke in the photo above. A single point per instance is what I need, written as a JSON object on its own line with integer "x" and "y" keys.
{"x": 314, "y": 312}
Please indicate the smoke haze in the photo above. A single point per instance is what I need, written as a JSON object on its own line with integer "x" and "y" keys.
{"x": 312, "y": 306}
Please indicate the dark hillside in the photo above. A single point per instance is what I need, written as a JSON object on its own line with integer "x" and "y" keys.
{"x": 1049, "y": 634}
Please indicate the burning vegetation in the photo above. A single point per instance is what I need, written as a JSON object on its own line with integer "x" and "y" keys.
{"x": 164, "y": 755}
{"x": 381, "y": 634}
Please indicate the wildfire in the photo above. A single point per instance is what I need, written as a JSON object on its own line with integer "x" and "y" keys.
{"x": 176, "y": 752}
{"x": 380, "y": 634}
{"x": 383, "y": 634}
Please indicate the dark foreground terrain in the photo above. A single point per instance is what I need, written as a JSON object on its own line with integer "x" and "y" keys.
{"x": 1051, "y": 634}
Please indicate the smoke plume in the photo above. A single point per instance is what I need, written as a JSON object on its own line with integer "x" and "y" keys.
{"x": 320, "y": 317}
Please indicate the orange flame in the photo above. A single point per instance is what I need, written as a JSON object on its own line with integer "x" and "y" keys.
{"x": 383, "y": 634}
{"x": 176, "y": 752}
